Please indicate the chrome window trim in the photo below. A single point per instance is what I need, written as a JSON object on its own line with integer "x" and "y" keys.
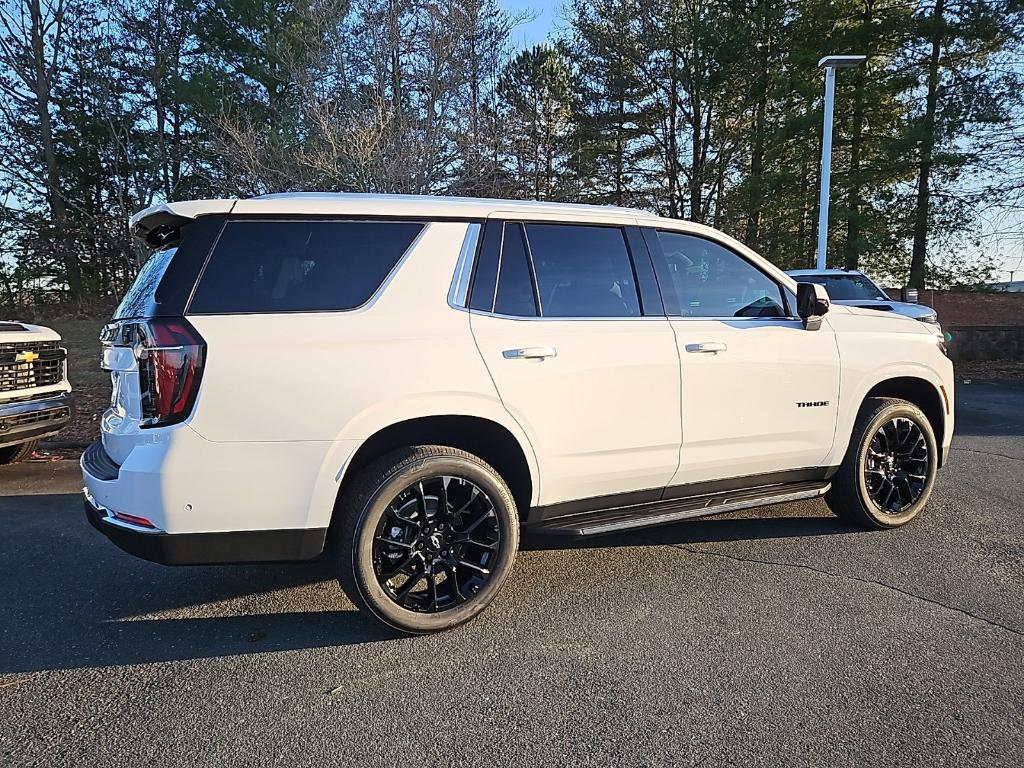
{"x": 458, "y": 294}
{"x": 631, "y": 318}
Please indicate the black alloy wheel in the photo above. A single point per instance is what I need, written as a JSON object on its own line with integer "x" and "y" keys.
{"x": 896, "y": 465}
{"x": 435, "y": 544}
{"x": 888, "y": 473}
{"x": 425, "y": 537}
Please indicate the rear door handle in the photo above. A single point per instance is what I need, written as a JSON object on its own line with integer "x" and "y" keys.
{"x": 707, "y": 347}
{"x": 529, "y": 353}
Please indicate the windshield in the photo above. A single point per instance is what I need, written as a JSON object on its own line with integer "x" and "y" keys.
{"x": 846, "y": 287}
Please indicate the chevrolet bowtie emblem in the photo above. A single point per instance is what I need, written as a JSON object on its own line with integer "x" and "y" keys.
{"x": 26, "y": 357}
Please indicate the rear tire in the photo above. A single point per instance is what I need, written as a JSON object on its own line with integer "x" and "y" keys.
{"x": 15, "y": 453}
{"x": 426, "y": 537}
{"x": 888, "y": 473}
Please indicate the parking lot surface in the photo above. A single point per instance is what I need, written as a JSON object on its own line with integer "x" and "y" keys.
{"x": 779, "y": 636}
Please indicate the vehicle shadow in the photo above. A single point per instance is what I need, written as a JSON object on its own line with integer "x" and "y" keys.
{"x": 71, "y": 600}
{"x": 766, "y": 525}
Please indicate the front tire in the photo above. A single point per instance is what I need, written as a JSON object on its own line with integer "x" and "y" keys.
{"x": 889, "y": 470}
{"x": 15, "y": 453}
{"x": 427, "y": 536}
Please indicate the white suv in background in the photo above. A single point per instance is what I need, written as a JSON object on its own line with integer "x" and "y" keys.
{"x": 405, "y": 383}
{"x": 855, "y": 289}
{"x": 35, "y": 394}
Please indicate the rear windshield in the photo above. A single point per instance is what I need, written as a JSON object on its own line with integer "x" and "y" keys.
{"x": 140, "y": 299}
{"x": 166, "y": 280}
{"x": 300, "y": 266}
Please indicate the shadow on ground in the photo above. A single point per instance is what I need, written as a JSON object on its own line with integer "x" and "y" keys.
{"x": 70, "y": 599}
{"x": 73, "y": 600}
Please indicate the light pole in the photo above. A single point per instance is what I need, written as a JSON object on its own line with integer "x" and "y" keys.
{"x": 831, "y": 64}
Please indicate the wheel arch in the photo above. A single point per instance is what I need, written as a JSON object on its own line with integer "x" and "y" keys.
{"x": 922, "y": 393}
{"x": 483, "y": 437}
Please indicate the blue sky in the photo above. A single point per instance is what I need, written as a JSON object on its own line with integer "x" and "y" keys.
{"x": 547, "y": 11}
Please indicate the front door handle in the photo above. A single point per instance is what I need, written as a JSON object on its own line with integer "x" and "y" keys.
{"x": 529, "y": 353}
{"x": 707, "y": 347}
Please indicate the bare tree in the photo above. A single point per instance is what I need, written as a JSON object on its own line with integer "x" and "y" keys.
{"x": 32, "y": 50}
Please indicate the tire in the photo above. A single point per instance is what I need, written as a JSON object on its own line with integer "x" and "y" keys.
{"x": 14, "y": 453}
{"x": 888, "y": 473}
{"x": 391, "y": 515}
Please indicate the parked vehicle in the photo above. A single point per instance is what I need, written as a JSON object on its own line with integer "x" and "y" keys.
{"x": 406, "y": 383}
{"x": 855, "y": 289}
{"x": 35, "y": 395}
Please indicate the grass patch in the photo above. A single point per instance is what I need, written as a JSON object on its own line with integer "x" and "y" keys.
{"x": 81, "y": 338}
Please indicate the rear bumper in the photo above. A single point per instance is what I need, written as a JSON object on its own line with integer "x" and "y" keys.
{"x": 25, "y": 420}
{"x": 204, "y": 502}
{"x": 207, "y": 548}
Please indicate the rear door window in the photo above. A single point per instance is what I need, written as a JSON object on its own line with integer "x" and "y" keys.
{"x": 583, "y": 271}
{"x": 300, "y": 266}
{"x": 515, "y": 294}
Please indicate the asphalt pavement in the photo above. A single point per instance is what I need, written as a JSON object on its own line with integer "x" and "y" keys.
{"x": 778, "y": 636}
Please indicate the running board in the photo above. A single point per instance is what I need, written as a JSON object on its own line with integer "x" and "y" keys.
{"x": 672, "y": 510}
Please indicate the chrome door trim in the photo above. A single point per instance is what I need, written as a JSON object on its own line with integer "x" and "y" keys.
{"x": 458, "y": 294}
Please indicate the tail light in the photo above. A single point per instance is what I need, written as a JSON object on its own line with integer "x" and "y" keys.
{"x": 170, "y": 355}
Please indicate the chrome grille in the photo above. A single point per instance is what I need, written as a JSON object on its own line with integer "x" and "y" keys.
{"x": 47, "y": 369}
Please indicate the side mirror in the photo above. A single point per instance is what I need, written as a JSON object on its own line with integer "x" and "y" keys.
{"x": 909, "y": 295}
{"x": 811, "y": 303}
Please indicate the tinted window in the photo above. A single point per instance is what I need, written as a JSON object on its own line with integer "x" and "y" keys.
{"x": 485, "y": 273}
{"x": 166, "y": 280}
{"x": 842, "y": 287}
{"x": 709, "y": 280}
{"x": 300, "y": 266}
{"x": 139, "y": 299}
{"x": 582, "y": 271}
{"x": 515, "y": 285}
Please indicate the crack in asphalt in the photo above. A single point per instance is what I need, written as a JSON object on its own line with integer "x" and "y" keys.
{"x": 841, "y": 576}
{"x": 987, "y": 453}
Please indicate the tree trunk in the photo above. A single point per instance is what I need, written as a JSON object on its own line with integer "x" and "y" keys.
{"x": 851, "y": 255}
{"x": 697, "y": 161}
{"x": 853, "y": 203}
{"x": 54, "y": 194}
{"x": 673, "y": 159}
{"x": 917, "y": 259}
{"x": 801, "y": 228}
{"x": 757, "y": 156}
{"x": 620, "y": 160}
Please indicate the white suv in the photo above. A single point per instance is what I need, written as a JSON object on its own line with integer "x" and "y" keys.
{"x": 406, "y": 383}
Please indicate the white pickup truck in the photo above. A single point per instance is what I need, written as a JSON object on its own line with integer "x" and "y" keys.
{"x": 402, "y": 384}
{"x": 35, "y": 395}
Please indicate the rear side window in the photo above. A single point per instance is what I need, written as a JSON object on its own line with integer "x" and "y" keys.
{"x": 300, "y": 266}
{"x": 583, "y": 271}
